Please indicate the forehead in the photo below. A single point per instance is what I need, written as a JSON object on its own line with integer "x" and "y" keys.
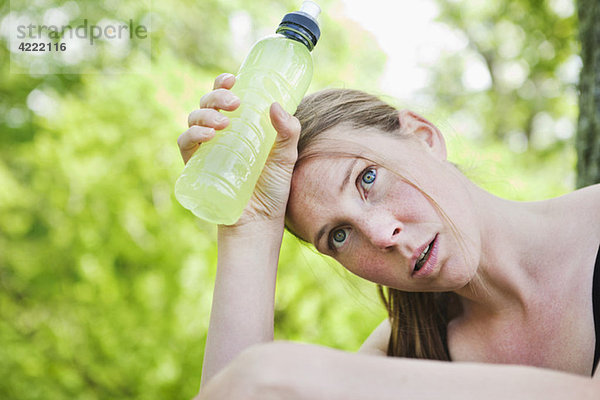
{"x": 319, "y": 179}
{"x": 314, "y": 192}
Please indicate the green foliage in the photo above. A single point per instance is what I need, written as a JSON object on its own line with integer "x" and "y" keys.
{"x": 106, "y": 282}
{"x": 528, "y": 49}
{"x": 97, "y": 279}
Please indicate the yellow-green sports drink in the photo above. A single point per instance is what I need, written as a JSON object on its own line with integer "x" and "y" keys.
{"x": 219, "y": 179}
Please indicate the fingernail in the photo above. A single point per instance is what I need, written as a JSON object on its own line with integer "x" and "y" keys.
{"x": 221, "y": 119}
{"x": 232, "y": 100}
{"x": 224, "y": 77}
{"x": 282, "y": 113}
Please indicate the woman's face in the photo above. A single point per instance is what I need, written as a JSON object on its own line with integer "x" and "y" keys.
{"x": 378, "y": 225}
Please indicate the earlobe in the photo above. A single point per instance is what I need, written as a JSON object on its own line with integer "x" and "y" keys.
{"x": 413, "y": 124}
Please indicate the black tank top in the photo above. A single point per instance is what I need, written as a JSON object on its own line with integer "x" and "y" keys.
{"x": 596, "y": 304}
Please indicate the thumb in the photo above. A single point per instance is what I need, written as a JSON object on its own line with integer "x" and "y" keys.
{"x": 286, "y": 125}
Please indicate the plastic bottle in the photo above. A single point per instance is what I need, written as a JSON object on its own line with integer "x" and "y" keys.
{"x": 219, "y": 179}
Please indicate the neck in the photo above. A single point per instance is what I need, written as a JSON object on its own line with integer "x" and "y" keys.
{"x": 517, "y": 254}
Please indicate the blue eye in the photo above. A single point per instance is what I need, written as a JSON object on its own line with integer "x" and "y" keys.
{"x": 368, "y": 178}
{"x": 338, "y": 237}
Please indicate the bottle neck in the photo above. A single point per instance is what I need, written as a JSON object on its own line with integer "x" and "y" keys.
{"x": 297, "y": 33}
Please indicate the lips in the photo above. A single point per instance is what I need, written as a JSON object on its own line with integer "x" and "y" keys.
{"x": 425, "y": 258}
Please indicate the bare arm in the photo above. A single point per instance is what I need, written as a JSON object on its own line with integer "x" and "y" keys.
{"x": 377, "y": 342}
{"x": 242, "y": 308}
{"x": 292, "y": 371}
{"x": 248, "y": 251}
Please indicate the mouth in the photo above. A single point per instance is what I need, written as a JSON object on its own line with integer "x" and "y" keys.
{"x": 424, "y": 255}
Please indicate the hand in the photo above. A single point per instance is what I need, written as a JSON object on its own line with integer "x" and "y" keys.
{"x": 271, "y": 193}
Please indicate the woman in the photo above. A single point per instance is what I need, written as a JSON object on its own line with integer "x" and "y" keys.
{"x": 502, "y": 287}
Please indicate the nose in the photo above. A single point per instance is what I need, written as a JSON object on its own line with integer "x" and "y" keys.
{"x": 383, "y": 234}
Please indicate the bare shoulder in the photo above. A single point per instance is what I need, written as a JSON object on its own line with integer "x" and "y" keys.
{"x": 596, "y": 380}
{"x": 590, "y": 206}
{"x": 581, "y": 206}
{"x": 593, "y": 191}
{"x": 377, "y": 342}
{"x": 589, "y": 195}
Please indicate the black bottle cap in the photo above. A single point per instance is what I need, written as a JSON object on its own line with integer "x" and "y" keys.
{"x": 302, "y": 25}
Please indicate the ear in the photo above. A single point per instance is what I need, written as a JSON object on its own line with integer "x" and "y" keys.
{"x": 415, "y": 125}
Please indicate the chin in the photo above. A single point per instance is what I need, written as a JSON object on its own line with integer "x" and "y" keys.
{"x": 456, "y": 278}
{"x": 461, "y": 281}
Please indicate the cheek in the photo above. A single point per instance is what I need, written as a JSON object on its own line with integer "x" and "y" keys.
{"x": 459, "y": 263}
{"x": 406, "y": 203}
{"x": 462, "y": 267}
{"x": 373, "y": 267}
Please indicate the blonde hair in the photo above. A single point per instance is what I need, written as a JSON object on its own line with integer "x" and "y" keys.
{"x": 418, "y": 320}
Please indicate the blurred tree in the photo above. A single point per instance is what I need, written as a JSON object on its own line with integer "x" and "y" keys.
{"x": 588, "y": 130}
{"x": 525, "y": 46}
{"x": 105, "y": 281}
{"x": 510, "y": 83}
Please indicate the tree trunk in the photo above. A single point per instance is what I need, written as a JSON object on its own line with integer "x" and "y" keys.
{"x": 588, "y": 127}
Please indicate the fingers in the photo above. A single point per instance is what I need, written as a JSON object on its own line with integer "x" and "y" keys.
{"x": 190, "y": 140}
{"x": 203, "y": 122}
{"x": 220, "y": 99}
{"x": 208, "y": 117}
{"x": 224, "y": 81}
{"x": 288, "y": 132}
{"x": 287, "y": 126}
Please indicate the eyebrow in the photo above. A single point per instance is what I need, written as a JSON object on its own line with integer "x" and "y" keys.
{"x": 345, "y": 181}
{"x": 319, "y": 235}
{"x": 348, "y": 175}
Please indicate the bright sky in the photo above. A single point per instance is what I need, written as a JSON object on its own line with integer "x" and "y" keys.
{"x": 406, "y": 32}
